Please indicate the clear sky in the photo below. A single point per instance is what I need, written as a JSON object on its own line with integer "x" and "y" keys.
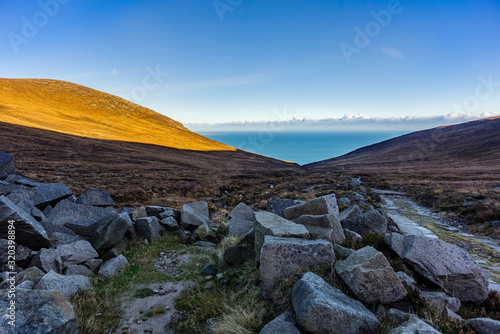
{"x": 253, "y": 61}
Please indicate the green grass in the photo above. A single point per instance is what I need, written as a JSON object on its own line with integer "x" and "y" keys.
{"x": 154, "y": 311}
{"x": 98, "y": 309}
{"x": 143, "y": 293}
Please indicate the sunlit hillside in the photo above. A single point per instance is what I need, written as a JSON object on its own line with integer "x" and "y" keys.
{"x": 77, "y": 110}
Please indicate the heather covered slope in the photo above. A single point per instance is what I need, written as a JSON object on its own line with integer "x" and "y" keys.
{"x": 81, "y": 111}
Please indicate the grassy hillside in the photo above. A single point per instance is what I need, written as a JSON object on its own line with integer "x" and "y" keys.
{"x": 72, "y": 109}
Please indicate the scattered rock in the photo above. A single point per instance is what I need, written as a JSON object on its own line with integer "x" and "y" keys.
{"x": 27, "y": 230}
{"x": 23, "y": 256}
{"x": 342, "y": 251}
{"x": 7, "y": 165}
{"x": 76, "y": 253}
{"x": 373, "y": 221}
{"x": 238, "y": 254}
{"x": 78, "y": 270}
{"x": 115, "y": 251}
{"x": 370, "y": 277}
{"x": 39, "y": 312}
{"x": 278, "y": 205}
{"x": 32, "y": 274}
{"x": 398, "y": 315}
{"x": 171, "y": 224}
{"x": 444, "y": 264}
{"x": 267, "y": 223}
{"x": 414, "y": 326}
{"x": 323, "y": 227}
{"x": 47, "y": 260}
{"x": 282, "y": 324}
{"x": 148, "y": 228}
{"x": 440, "y": 300}
{"x": 205, "y": 233}
{"x": 111, "y": 267}
{"x": 209, "y": 270}
{"x": 318, "y": 206}
{"x": 281, "y": 257}
{"x": 241, "y": 212}
{"x": 407, "y": 280}
{"x": 321, "y": 308}
{"x": 169, "y": 212}
{"x": 195, "y": 214}
{"x": 95, "y": 197}
{"x": 350, "y": 212}
{"x": 94, "y": 265}
{"x": 50, "y": 194}
{"x": 484, "y": 325}
{"x": 110, "y": 232}
{"x": 26, "y": 285}
{"x": 67, "y": 285}
{"x": 239, "y": 227}
{"x": 353, "y": 236}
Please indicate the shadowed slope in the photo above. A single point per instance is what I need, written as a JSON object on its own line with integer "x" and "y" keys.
{"x": 81, "y": 111}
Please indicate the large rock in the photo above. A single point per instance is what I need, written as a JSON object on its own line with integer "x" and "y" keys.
{"x": 282, "y": 324}
{"x": 484, "y": 325}
{"x": 96, "y": 197}
{"x": 28, "y": 231}
{"x": 278, "y": 205}
{"x": 350, "y": 212}
{"x": 68, "y": 285}
{"x": 47, "y": 260}
{"x": 195, "y": 214}
{"x": 78, "y": 270}
{"x": 322, "y": 309}
{"x": 148, "y": 228}
{"x": 373, "y": 221}
{"x": 370, "y": 277}
{"x": 241, "y": 220}
{"x": 414, "y": 326}
{"x": 7, "y": 165}
{"x": 110, "y": 232}
{"x": 50, "y": 194}
{"x": 440, "y": 300}
{"x": 318, "y": 206}
{"x": 32, "y": 274}
{"x": 267, "y": 223}
{"x": 281, "y": 257}
{"x": 76, "y": 253}
{"x": 444, "y": 264}
{"x": 323, "y": 227}
{"x": 170, "y": 224}
{"x": 80, "y": 218}
{"x": 38, "y": 312}
{"x": 205, "y": 233}
{"x": 112, "y": 267}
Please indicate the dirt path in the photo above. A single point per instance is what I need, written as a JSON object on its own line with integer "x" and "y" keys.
{"x": 412, "y": 218}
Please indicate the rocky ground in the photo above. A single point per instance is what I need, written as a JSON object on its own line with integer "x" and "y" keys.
{"x": 319, "y": 265}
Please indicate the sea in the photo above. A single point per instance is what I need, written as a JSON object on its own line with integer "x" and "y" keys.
{"x": 301, "y": 147}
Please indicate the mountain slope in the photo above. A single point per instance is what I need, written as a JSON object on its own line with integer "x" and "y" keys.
{"x": 471, "y": 143}
{"x": 72, "y": 109}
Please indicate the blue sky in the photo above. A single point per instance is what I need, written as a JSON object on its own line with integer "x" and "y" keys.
{"x": 313, "y": 64}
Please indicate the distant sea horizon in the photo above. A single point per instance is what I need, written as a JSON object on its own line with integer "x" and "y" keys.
{"x": 301, "y": 147}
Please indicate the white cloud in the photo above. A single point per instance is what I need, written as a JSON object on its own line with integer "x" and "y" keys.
{"x": 218, "y": 83}
{"x": 347, "y": 123}
{"x": 392, "y": 52}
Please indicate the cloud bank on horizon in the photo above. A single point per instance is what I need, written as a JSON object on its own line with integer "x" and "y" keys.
{"x": 358, "y": 122}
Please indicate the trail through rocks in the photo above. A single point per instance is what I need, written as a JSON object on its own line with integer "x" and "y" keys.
{"x": 412, "y": 218}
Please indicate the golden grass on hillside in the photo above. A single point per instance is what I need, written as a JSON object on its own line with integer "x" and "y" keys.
{"x": 77, "y": 110}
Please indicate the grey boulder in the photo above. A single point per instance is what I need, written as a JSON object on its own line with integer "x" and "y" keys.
{"x": 68, "y": 285}
{"x": 282, "y": 324}
{"x": 323, "y": 227}
{"x": 373, "y": 221}
{"x": 241, "y": 212}
{"x": 318, "y": 206}
{"x": 50, "y": 194}
{"x": 370, "y": 277}
{"x": 267, "y": 223}
{"x": 76, "y": 253}
{"x": 322, "y": 309}
{"x": 195, "y": 214}
{"x": 95, "y": 197}
{"x": 112, "y": 267}
{"x": 278, "y": 205}
{"x": 32, "y": 274}
{"x": 440, "y": 300}
{"x": 148, "y": 228}
{"x": 47, "y": 260}
{"x": 484, "y": 325}
{"x": 110, "y": 231}
{"x": 414, "y": 326}
{"x": 444, "y": 264}
{"x": 281, "y": 257}
{"x": 39, "y": 312}
{"x": 28, "y": 231}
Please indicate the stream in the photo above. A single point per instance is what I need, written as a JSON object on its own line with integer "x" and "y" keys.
{"x": 412, "y": 218}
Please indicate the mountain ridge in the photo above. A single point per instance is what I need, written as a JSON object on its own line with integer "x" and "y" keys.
{"x": 77, "y": 110}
